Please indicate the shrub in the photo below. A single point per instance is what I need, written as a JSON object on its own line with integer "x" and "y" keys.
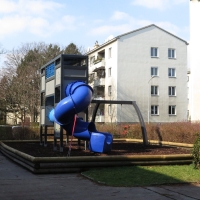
{"x": 110, "y": 128}
{"x": 25, "y": 133}
{"x": 121, "y": 130}
{"x": 6, "y": 132}
{"x": 196, "y": 152}
{"x": 133, "y": 131}
{"x": 34, "y": 124}
{"x": 181, "y": 132}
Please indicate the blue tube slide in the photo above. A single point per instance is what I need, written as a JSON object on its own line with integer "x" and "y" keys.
{"x": 78, "y": 97}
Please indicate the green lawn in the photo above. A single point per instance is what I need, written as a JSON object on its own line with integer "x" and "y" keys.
{"x": 144, "y": 175}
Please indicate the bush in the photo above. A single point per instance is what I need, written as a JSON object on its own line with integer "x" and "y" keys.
{"x": 110, "y": 128}
{"x": 121, "y": 130}
{"x": 6, "y": 132}
{"x": 196, "y": 152}
{"x": 25, "y": 133}
{"x": 132, "y": 131}
{"x": 34, "y": 124}
{"x": 181, "y": 132}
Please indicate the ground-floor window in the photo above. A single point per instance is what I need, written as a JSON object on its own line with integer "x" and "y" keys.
{"x": 172, "y": 110}
{"x": 154, "y": 110}
{"x": 109, "y": 109}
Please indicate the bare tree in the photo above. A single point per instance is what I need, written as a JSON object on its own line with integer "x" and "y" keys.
{"x": 20, "y": 80}
{"x": 33, "y": 62}
{"x": 5, "y": 91}
{"x": 27, "y": 62}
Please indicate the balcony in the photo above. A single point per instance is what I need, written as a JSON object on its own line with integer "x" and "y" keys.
{"x": 98, "y": 64}
{"x": 99, "y": 82}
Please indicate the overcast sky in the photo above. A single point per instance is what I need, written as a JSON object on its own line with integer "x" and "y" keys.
{"x": 85, "y": 21}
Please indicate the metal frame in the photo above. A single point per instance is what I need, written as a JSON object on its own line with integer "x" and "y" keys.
{"x": 142, "y": 124}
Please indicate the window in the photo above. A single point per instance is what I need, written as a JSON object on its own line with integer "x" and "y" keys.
{"x": 50, "y": 70}
{"x": 109, "y": 109}
{"x": 172, "y": 110}
{"x": 154, "y": 52}
{"x": 172, "y": 91}
{"x": 172, "y": 72}
{"x": 154, "y": 110}
{"x": 154, "y": 71}
{"x": 171, "y": 53}
{"x": 109, "y": 71}
{"x": 109, "y": 90}
{"x": 110, "y": 52}
{"x": 154, "y": 90}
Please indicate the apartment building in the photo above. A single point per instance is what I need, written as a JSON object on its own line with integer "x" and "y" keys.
{"x": 147, "y": 65}
{"x": 194, "y": 60}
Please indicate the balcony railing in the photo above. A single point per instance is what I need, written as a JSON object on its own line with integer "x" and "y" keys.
{"x": 99, "y": 82}
{"x": 99, "y": 98}
{"x": 100, "y": 64}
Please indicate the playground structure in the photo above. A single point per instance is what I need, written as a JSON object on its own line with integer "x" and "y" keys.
{"x": 64, "y": 102}
{"x": 55, "y": 76}
{"x": 78, "y": 98}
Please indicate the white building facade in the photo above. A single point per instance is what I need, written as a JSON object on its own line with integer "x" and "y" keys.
{"x": 195, "y": 60}
{"x": 149, "y": 66}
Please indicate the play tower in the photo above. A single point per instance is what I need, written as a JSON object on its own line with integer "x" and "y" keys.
{"x": 55, "y": 76}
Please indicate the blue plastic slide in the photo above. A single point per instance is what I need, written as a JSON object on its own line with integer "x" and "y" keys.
{"x": 78, "y": 98}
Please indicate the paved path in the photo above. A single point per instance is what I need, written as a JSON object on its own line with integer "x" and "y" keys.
{"x": 16, "y": 183}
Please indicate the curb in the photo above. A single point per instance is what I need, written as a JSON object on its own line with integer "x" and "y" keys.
{"x": 42, "y": 165}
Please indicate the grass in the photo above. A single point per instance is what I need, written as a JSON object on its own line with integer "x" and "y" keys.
{"x": 144, "y": 175}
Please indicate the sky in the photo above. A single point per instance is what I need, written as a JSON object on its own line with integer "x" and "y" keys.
{"x": 84, "y": 22}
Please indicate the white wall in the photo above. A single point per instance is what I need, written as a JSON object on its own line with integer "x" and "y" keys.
{"x": 111, "y": 80}
{"x": 134, "y": 64}
{"x": 195, "y": 59}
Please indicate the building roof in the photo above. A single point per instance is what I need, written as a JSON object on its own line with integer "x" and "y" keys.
{"x": 136, "y": 30}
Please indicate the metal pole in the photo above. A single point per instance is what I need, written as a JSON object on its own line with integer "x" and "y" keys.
{"x": 142, "y": 124}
